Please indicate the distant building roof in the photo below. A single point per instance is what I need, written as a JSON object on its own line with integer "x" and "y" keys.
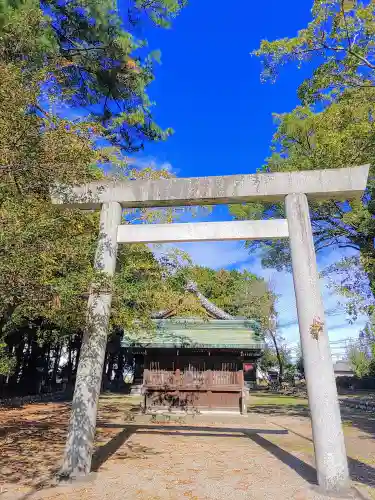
{"x": 343, "y": 367}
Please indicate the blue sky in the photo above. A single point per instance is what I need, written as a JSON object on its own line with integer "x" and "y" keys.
{"x": 208, "y": 90}
{"x": 208, "y": 87}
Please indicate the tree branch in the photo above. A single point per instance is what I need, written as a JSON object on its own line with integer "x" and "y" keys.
{"x": 346, "y": 24}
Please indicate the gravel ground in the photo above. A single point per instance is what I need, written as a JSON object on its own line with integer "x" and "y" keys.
{"x": 206, "y": 458}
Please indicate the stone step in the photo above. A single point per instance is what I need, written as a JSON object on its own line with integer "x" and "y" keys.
{"x": 136, "y": 389}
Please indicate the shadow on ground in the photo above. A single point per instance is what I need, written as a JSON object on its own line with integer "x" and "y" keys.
{"x": 359, "y": 471}
{"x": 110, "y": 449}
{"x": 33, "y": 439}
{"x": 297, "y": 407}
{"x": 297, "y": 410}
{"x": 361, "y": 420}
{"x": 306, "y": 471}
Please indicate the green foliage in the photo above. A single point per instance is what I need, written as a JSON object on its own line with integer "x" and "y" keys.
{"x": 340, "y": 37}
{"x": 362, "y": 353}
{"x": 270, "y": 360}
{"x": 39, "y": 244}
{"x": 359, "y": 361}
{"x": 161, "y": 12}
{"x": 341, "y": 135}
{"x": 64, "y": 58}
{"x": 57, "y": 56}
{"x": 7, "y": 362}
{"x": 239, "y": 293}
{"x": 38, "y": 150}
{"x": 91, "y": 58}
{"x": 44, "y": 254}
{"x": 143, "y": 285}
{"x": 332, "y": 128}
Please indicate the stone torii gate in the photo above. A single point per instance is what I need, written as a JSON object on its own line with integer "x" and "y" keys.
{"x": 295, "y": 188}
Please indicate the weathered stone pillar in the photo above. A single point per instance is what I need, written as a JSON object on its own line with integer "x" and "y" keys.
{"x": 80, "y": 440}
{"x": 330, "y": 455}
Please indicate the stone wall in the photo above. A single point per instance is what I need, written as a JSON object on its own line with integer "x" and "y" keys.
{"x": 366, "y": 404}
{"x": 19, "y": 401}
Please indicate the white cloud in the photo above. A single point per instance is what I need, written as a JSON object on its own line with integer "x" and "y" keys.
{"x": 217, "y": 255}
{"x": 143, "y": 162}
{"x": 232, "y": 254}
{"x": 213, "y": 254}
{"x": 338, "y": 326}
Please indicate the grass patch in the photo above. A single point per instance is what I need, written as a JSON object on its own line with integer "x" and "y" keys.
{"x": 276, "y": 399}
{"x": 347, "y": 423}
{"x": 122, "y": 399}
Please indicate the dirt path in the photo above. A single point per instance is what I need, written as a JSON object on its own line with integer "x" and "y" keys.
{"x": 258, "y": 457}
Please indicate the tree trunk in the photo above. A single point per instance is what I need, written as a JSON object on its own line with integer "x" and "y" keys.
{"x": 24, "y": 382}
{"x": 69, "y": 366}
{"x": 46, "y": 359}
{"x": 213, "y": 310}
{"x": 105, "y": 380}
{"x": 55, "y": 369}
{"x": 120, "y": 364}
{"x": 14, "y": 378}
{"x": 110, "y": 368}
{"x": 76, "y": 358}
{"x": 279, "y": 358}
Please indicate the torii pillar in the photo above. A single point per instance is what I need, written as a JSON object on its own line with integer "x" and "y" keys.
{"x": 294, "y": 188}
{"x": 81, "y": 432}
{"x": 330, "y": 454}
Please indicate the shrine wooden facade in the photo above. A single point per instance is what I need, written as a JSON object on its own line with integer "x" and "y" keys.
{"x": 197, "y": 364}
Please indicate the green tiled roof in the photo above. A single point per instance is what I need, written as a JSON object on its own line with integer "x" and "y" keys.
{"x": 190, "y": 332}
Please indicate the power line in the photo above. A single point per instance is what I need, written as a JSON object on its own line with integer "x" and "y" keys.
{"x": 339, "y": 348}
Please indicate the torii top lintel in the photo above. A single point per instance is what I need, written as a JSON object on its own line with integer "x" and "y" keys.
{"x": 344, "y": 183}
